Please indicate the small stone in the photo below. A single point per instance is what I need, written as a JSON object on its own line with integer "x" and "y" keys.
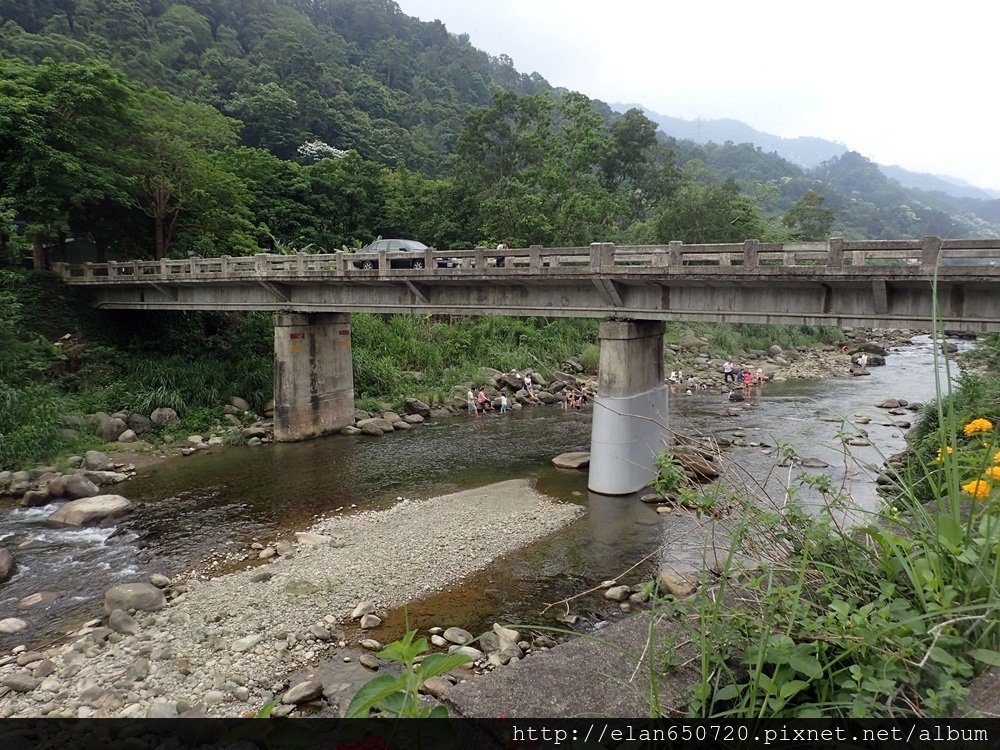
{"x": 371, "y": 644}
{"x": 458, "y": 636}
{"x": 11, "y": 625}
{"x": 320, "y": 633}
{"x": 161, "y": 710}
{"x": 261, "y": 575}
{"x": 159, "y": 580}
{"x": 33, "y": 600}
{"x": 436, "y": 686}
{"x": 370, "y": 621}
{"x": 369, "y": 661}
{"x": 675, "y": 583}
{"x": 283, "y": 548}
{"x": 363, "y": 608}
{"x": 267, "y": 553}
{"x": 20, "y": 682}
{"x": 242, "y": 645}
{"x": 241, "y": 694}
{"x": 122, "y": 622}
{"x": 473, "y": 653}
{"x": 617, "y": 593}
{"x": 438, "y": 641}
{"x": 138, "y": 670}
{"x": 215, "y": 696}
{"x": 303, "y": 692}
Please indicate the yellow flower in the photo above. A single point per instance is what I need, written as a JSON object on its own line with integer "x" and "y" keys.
{"x": 996, "y": 457}
{"x": 947, "y": 448}
{"x": 993, "y": 472}
{"x": 978, "y": 488}
{"x": 977, "y": 425}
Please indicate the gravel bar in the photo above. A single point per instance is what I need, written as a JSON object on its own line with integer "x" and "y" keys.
{"x": 223, "y": 647}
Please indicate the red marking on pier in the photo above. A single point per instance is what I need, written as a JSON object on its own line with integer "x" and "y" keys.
{"x": 296, "y": 335}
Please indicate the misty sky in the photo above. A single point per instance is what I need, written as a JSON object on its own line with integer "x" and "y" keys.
{"x": 904, "y": 83}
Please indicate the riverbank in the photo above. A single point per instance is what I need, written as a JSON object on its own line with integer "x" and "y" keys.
{"x": 217, "y": 645}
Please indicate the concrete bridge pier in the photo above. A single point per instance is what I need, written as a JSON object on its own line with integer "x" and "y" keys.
{"x": 630, "y": 425}
{"x": 313, "y": 375}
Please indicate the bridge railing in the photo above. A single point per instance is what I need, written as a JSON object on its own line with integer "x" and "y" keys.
{"x": 599, "y": 258}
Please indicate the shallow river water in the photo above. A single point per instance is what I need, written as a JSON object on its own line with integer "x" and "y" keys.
{"x": 189, "y": 508}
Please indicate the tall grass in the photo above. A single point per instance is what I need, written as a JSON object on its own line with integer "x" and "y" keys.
{"x": 889, "y": 617}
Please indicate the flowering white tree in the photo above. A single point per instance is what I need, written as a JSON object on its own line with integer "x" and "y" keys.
{"x": 318, "y": 150}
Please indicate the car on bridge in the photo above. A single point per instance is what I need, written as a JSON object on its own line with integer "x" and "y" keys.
{"x": 401, "y": 246}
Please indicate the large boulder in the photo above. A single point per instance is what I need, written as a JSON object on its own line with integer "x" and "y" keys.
{"x": 575, "y": 460}
{"x": 383, "y": 424}
{"x": 416, "y": 406}
{"x": 164, "y": 416}
{"x": 78, "y": 486}
{"x": 696, "y": 462}
{"x": 91, "y": 511}
{"x": 8, "y": 565}
{"x": 56, "y": 487}
{"x": 96, "y": 461}
{"x": 138, "y": 596}
{"x": 109, "y": 429}
{"x": 239, "y": 403}
{"x": 139, "y": 424}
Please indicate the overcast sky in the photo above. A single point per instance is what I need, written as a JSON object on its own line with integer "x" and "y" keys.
{"x": 905, "y": 83}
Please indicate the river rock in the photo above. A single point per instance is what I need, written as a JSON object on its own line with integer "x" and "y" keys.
{"x": 139, "y": 596}
{"x": 371, "y": 644}
{"x": 164, "y": 416}
{"x": 890, "y": 403}
{"x": 96, "y": 460}
{"x": 40, "y": 597}
{"x": 242, "y": 645}
{"x": 303, "y": 692}
{"x": 572, "y": 460}
{"x": 56, "y": 487}
{"x": 128, "y": 436}
{"x": 109, "y": 430}
{"x": 102, "y": 478}
{"x": 11, "y": 625}
{"x": 457, "y": 636}
{"x": 369, "y": 622}
{"x": 91, "y": 511}
{"x": 383, "y": 424}
{"x": 617, "y": 593}
{"x": 35, "y": 498}
{"x": 370, "y": 428}
{"x": 352, "y": 430}
{"x": 679, "y": 584}
{"x": 239, "y": 403}
{"x": 308, "y": 539}
{"x": 78, "y": 486}
{"x": 414, "y": 406}
{"x": 139, "y": 424}
{"x": 8, "y": 565}
{"x": 159, "y": 580}
{"x": 696, "y": 463}
{"x": 438, "y": 641}
{"x": 775, "y": 350}
{"x": 436, "y": 686}
{"x": 20, "y": 682}
{"x": 260, "y": 576}
{"x": 162, "y": 710}
{"x": 814, "y": 463}
{"x": 363, "y": 608}
{"x": 401, "y": 425}
{"x": 369, "y": 661}
{"x": 122, "y": 622}
{"x": 474, "y": 654}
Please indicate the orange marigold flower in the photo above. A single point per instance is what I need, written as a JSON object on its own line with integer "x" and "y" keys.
{"x": 996, "y": 457}
{"x": 978, "y": 488}
{"x": 977, "y": 425}
{"x": 993, "y": 472}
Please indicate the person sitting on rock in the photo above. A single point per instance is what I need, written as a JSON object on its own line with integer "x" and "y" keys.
{"x": 483, "y": 401}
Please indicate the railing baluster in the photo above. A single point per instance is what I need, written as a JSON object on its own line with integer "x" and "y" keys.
{"x": 751, "y": 251}
{"x": 930, "y": 250}
{"x": 674, "y": 253}
{"x": 835, "y": 253}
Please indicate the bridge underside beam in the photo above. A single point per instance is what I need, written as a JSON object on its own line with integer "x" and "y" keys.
{"x": 867, "y": 301}
{"x": 630, "y": 425}
{"x": 313, "y": 375}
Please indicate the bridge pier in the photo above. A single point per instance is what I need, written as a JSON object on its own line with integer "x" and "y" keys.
{"x": 630, "y": 421}
{"x": 313, "y": 375}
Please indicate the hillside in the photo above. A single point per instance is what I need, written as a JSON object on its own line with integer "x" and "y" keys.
{"x": 213, "y": 127}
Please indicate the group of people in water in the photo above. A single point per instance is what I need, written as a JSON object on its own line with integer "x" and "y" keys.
{"x": 744, "y": 376}
{"x": 479, "y": 403}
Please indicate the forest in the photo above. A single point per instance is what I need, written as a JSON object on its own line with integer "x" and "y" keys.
{"x": 155, "y": 128}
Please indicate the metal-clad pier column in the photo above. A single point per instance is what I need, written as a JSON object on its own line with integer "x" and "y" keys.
{"x": 630, "y": 425}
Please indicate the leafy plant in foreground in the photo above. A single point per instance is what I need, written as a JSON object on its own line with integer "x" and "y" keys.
{"x": 399, "y": 695}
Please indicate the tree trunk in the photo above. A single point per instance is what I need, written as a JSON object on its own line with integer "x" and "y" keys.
{"x": 37, "y": 253}
{"x": 158, "y": 233}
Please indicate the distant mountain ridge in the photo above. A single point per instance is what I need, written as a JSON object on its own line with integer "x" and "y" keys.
{"x": 805, "y": 151}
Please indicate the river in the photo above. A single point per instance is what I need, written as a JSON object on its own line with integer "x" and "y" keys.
{"x": 196, "y": 511}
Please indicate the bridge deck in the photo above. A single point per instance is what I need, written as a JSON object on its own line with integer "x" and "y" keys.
{"x": 825, "y": 283}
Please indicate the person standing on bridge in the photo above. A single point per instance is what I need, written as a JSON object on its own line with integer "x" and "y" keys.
{"x": 501, "y": 259}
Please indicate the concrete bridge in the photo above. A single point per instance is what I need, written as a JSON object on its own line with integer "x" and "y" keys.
{"x": 636, "y": 289}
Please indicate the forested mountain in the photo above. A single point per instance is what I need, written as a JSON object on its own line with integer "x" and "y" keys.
{"x": 937, "y": 183}
{"x": 148, "y": 128}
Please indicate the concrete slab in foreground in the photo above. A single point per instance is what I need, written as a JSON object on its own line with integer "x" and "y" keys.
{"x": 587, "y": 676}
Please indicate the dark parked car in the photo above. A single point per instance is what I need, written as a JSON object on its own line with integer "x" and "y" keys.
{"x": 401, "y": 246}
